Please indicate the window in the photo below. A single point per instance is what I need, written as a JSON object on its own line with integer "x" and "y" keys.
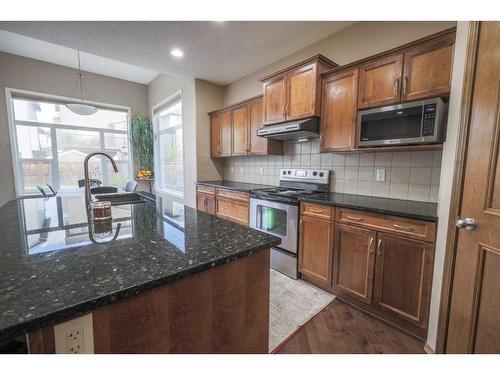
{"x": 50, "y": 144}
{"x": 169, "y": 159}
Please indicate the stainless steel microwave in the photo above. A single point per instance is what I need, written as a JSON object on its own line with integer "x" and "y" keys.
{"x": 403, "y": 124}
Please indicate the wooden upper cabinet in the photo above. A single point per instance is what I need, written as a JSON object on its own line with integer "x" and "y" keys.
{"x": 240, "y": 130}
{"x": 354, "y": 255}
{"x": 339, "y": 111}
{"x": 403, "y": 276}
{"x": 234, "y": 131}
{"x": 275, "y": 101}
{"x": 215, "y": 135}
{"x": 380, "y": 81}
{"x": 301, "y": 90}
{"x": 225, "y": 133}
{"x": 427, "y": 70}
{"x": 258, "y": 145}
{"x": 295, "y": 92}
{"x": 316, "y": 249}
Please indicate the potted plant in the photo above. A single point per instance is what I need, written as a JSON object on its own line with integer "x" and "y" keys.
{"x": 142, "y": 142}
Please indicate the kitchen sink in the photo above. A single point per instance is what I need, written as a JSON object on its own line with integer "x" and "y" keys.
{"x": 120, "y": 198}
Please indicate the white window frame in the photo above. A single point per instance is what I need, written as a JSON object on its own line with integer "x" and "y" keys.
{"x": 10, "y": 93}
{"x": 179, "y": 197}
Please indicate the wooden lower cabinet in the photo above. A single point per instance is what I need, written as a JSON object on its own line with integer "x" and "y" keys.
{"x": 205, "y": 202}
{"x": 403, "y": 276}
{"x": 364, "y": 259}
{"x": 354, "y": 261}
{"x": 316, "y": 249}
{"x": 232, "y": 210}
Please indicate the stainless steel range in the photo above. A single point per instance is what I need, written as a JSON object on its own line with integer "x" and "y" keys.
{"x": 276, "y": 211}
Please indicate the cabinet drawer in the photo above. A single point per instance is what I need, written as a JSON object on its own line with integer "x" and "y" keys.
{"x": 422, "y": 230}
{"x": 317, "y": 210}
{"x": 232, "y": 210}
{"x": 232, "y": 194}
{"x": 205, "y": 189}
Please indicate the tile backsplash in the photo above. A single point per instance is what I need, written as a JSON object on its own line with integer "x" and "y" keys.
{"x": 410, "y": 175}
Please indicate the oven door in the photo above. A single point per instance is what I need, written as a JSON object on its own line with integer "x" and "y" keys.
{"x": 278, "y": 219}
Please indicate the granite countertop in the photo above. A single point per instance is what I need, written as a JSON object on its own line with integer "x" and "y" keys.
{"x": 51, "y": 269}
{"x": 397, "y": 207}
{"x": 233, "y": 185}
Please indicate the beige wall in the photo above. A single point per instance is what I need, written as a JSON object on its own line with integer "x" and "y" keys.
{"x": 355, "y": 42}
{"x": 209, "y": 97}
{"x": 447, "y": 169}
{"x": 22, "y": 73}
{"x": 163, "y": 87}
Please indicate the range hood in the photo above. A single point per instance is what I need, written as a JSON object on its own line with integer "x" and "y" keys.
{"x": 296, "y": 130}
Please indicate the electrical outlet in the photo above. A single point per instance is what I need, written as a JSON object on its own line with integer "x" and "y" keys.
{"x": 232, "y": 169}
{"x": 74, "y": 341}
{"x": 241, "y": 170}
{"x": 380, "y": 174}
{"x": 261, "y": 170}
{"x": 75, "y": 336}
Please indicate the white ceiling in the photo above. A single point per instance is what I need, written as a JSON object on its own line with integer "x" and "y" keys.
{"x": 220, "y": 52}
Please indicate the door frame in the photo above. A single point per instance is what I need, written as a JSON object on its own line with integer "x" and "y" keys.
{"x": 457, "y": 190}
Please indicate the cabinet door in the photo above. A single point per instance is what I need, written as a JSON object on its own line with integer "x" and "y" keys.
{"x": 274, "y": 101}
{"x": 210, "y": 204}
{"x": 301, "y": 98}
{"x": 240, "y": 130}
{"x": 232, "y": 210}
{"x": 316, "y": 249}
{"x": 339, "y": 111}
{"x": 403, "y": 276}
{"x": 215, "y": 133}
{"x": 225, "y": 134}
{"x": 354, "y": 255}
{"x": 201, "y": 201}
{"x": 380, "y": 82}
{"x": 427, "y": 70}
{"x": 258, "y": 145}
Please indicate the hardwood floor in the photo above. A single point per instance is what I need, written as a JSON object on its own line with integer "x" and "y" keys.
{"x": 342, "y": 329}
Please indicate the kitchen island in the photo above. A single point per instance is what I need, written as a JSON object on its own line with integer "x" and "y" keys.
{"x": 164, "y": 278}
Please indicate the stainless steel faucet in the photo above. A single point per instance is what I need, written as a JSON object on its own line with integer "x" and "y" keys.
{"x": 86, "y": 174}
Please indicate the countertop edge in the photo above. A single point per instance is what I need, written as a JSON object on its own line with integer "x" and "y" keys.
{"x": 84, "y": 307}
{"x": 369, "y": 209}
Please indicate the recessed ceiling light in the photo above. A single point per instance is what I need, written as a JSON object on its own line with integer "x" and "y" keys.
{"x": 176, "y": 52}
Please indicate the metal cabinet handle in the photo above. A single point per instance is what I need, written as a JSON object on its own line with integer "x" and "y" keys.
{"x": 467, "y": 223}
{"x": 405, "y": 85}
{"x": 396, "y": 87}
{"x": 284, "y": 111}
{"x": 378, "y": 247}
{"x": 355, "y": 218}
{"x": 287, "y": 109}
{"x": 402, "y": 227}
{"x": 370, "y": 246}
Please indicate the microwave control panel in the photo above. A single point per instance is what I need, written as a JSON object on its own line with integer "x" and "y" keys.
{"x": 429, "y": 120}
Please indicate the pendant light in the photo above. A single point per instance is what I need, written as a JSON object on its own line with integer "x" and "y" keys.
{"x": 81, "y": 108}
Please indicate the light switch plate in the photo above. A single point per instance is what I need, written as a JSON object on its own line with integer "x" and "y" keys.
{"x": 261, "y": 170}
{"x": 380, "y": 174}
{"x": 241, "y": 170}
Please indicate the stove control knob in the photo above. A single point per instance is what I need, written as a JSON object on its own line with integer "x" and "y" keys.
{"x": 321, "y": 174}
{"x": 315, "y": 173}
{"x": 289, "y": 172}
{"x": 284, "y": 172}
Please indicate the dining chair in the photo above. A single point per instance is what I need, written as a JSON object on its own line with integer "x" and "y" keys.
{"x": 130, "y": 186}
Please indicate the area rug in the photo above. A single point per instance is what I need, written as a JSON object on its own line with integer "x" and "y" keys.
{"x": 293, "y": 303}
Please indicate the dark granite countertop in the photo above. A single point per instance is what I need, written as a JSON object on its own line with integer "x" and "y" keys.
{"x": 233, "y": 185}
{"x": 51, "y": 270}
{"x": 396, "y": 207}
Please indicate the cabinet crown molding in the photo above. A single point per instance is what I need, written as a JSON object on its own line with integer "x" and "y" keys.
{"x": 315, "y": 58}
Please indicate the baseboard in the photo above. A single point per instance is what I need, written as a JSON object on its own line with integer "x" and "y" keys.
{"x": 428, "y": 349}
